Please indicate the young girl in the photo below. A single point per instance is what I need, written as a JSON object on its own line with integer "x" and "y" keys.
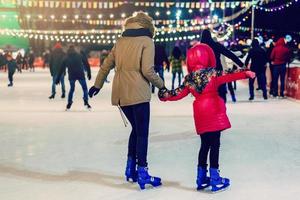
{"x": 210, "y": 116}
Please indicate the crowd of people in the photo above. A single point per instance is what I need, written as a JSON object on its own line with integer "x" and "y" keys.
{"x": 19, "y": 63}
{"x": 277, "y": 55}
{"x": 77, "y": 65}
{"x": 258, "y": 57}
{"x": 137, "y": 62}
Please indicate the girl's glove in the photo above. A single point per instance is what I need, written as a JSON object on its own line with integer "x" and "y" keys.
{"x": 250, "y": 74}
{"x": 163, "y": 94}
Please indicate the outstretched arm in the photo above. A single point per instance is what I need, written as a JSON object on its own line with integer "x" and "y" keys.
{"x": 227, "y": 53}
{"x": 229, "y": 77}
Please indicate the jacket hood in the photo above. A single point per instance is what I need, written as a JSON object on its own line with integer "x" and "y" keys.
{"x": 139, "y": 21}
{"x": 280, "y": 42}
{"x": 200, "y": 56}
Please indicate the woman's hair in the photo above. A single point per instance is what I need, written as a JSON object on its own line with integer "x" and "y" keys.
{"x": 143, "y": 20}
{"x": 206, "y": 37}
{"x": 176, "y": 53}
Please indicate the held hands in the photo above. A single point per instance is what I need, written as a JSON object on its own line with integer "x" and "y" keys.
{"x": 163, "y": 94}
{"x": 250, "y": 74}
{"x": 93, "y": 91}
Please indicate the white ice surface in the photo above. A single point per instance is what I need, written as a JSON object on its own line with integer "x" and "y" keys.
{"x": 47, "y": 153}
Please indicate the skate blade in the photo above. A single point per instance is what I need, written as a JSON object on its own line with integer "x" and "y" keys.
{"x": 220, "y": 190}
{"x": 149, "y": 186}
{"x": 202, "y": 188}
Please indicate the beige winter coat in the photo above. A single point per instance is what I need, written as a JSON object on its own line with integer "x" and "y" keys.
{"x": 133, "y": 61}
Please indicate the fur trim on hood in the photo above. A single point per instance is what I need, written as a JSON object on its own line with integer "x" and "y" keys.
{"x": 140, "y": 20}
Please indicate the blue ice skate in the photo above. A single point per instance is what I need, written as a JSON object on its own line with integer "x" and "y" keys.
{"x": 130, "y": 172}
{"x": 217, "y": 183}
{"x": 144, "y": 178}
{"x": 202, "y": 180}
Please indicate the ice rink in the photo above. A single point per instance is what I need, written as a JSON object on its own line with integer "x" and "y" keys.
{"x": 47, "y": 153}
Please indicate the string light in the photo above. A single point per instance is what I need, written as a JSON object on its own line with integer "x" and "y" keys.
{"x": 95, "y": 4}
{"x": 277, "y": 8}
{"x": 89, "y": 17}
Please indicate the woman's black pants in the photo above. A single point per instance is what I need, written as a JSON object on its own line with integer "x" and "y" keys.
{"x": 139, "y": 117}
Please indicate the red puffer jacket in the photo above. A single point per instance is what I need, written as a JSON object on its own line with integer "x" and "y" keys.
{"x": 209, "y": 108}
{"x": 280, "y": 54}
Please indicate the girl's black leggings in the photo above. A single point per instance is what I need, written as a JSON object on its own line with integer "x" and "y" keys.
{"x": 210, "y": 143}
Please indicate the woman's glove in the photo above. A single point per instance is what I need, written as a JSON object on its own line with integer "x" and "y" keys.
{"x": 93, "y": 91}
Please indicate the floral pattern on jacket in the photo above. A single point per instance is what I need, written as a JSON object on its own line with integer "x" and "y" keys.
{"x": 197, "y": 80}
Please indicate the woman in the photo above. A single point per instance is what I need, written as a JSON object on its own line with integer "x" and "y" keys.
{"x": 132, "y": 58}
{"x": 176, "y": 62}
{"x": 219, "y": 50}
